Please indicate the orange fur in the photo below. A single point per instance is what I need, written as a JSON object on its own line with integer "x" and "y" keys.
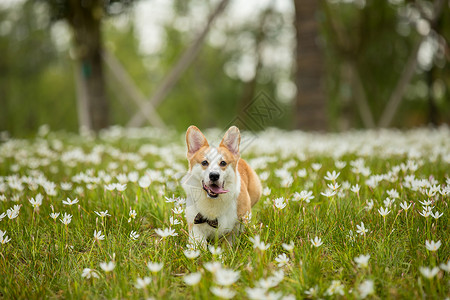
{"x": 250, "y": 183}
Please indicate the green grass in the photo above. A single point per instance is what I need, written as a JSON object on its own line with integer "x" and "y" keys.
{"x": 45, "y": 258}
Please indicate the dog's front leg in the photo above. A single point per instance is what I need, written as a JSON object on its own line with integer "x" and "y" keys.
{"x": 231, "y": 237}
{"x": 197, "y": 237}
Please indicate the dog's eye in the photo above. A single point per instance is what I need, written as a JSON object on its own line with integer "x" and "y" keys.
{"x": 223, "y": 163}
{"x": 205, "y": 163}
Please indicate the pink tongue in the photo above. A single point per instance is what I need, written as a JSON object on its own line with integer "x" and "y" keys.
{"x": 217, "y": 190}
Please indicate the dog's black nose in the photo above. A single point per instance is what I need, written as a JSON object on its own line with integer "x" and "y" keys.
{"x": 213, "y": 176}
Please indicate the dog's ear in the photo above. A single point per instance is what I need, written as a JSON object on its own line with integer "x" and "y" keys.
{"x": 194, "y": 140}
{"x": 231, "y": 140}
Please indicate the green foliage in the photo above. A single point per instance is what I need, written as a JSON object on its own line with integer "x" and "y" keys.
{"x": 35, "y": 81}
{"x": 37, "y": 85}
{"x": 374, "y": 44}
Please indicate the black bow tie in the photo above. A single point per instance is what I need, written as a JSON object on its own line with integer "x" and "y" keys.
{"x": 199, "y": 219}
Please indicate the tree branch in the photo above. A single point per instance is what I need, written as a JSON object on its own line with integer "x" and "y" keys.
{"x": 174, "y": 75}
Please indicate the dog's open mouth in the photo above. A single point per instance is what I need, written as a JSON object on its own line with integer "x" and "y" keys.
{"x": 213, "y": 190}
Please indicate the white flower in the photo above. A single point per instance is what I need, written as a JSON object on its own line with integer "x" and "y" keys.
{"x": 141, "y": 283}
{"x": 366, "y": 288}
{"x": 303, "y": 196}
{"x": 171, "y": 199}
{"x": 362, "y": 260}
{"x": 383, "y": 211}
{"x": 264, "y": 176}
{"x": 430, "y": 192}
{"x": 121, "y": 187}
{"x": 282, "y": 260}
{"x": 36, "y": 202}
{"x": 181, "y": 201}
{"x": 333, "y": 186}
{"x": 328, "y": 193}
{"x": 355, "y": 188}
{"x": 4, "y": 238}
{"x": 155, "y": 267}
{"x": 336, "y": 287}
{"x": 267, "y": 283}
{"x": 13, "y": 213}
{"x": 426, "y": 202}
{"x": 426, "y": 212}
{"x": 437, "y": 215}
{"x": 178, "y": 210}
{"x": 102, "y": 214}
{"x": 277, "y": 276}
{"x": 122, "y": 178}
{"x": 67, "y": 218}
{"x": 88, "y": 273}
{"x": 133, "y": 176}
{"x": 332, "y": 176}
{"x": 144, "y": 182}
{"x": 191, "y": 254}
{"x": 66, "y": 186}
{"x": 404, "y": 205}
{"x": 174, "y": 221}
{"x": 247, "y": 217}
{"x": 393, "y": 194}
{"x": 257, "y": 243}
{"x": 388, "y": 202}
{"x": 70, "y": 202}
{"x": 54, "y": 215}
{"x": 132, "y": 215}
{"x": 346, "y": 185}
{"x": 350, "y": 236}
{"x": 312, "y": 292}
{"x": 192, "y": 279}
{"x": 165, "y": 232}
{"x": 134, "y": 235}
{"x": 288, "y": 247}
{"x": 445, "y": 191}
{"x": 214, "y": 250}
{"x": 361, "y": 229}
{"x": 226, "y": 277}
{"x": 279, "y": 203}
{"x": 432, "y": 246}
{"x": 110, "y": 187}
{"x": 287, "y": 181}
{"x": 222, "y": 292}
{"x": 107, "y": 267}
{"x": 340, "y": 164}
{"x": 317, "y": 242}
{"x": 213, "y": 267}
{"x": 316, "y": 166}
{"x": 301, "y": 173}
{"x": 445, "y": 267}
{"x": 369, "y": 205}
{"x": 258, "y": 293}
{"x": 98, "y": 235}
{"x": 266, "y": 191}
{"x": 429, "y": 273}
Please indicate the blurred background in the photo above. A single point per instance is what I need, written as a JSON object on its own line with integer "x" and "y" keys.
{"x": 328, "y": 65}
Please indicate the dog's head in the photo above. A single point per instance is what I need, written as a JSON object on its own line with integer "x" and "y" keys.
{"x": 213, "y": 168}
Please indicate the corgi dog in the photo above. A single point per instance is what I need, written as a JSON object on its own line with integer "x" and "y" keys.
{"x": 221, "y": 188}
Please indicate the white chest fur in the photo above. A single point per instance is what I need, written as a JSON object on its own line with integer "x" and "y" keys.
{"x": 222, "y": 208}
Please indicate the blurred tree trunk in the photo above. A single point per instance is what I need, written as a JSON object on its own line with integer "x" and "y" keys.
{"x": 85, "y": 20}
{"x": 433, "y": 112}
{"x": 310, "y": 104}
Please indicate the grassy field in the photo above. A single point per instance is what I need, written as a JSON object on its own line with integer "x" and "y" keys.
{"x": 352, "y": 215}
